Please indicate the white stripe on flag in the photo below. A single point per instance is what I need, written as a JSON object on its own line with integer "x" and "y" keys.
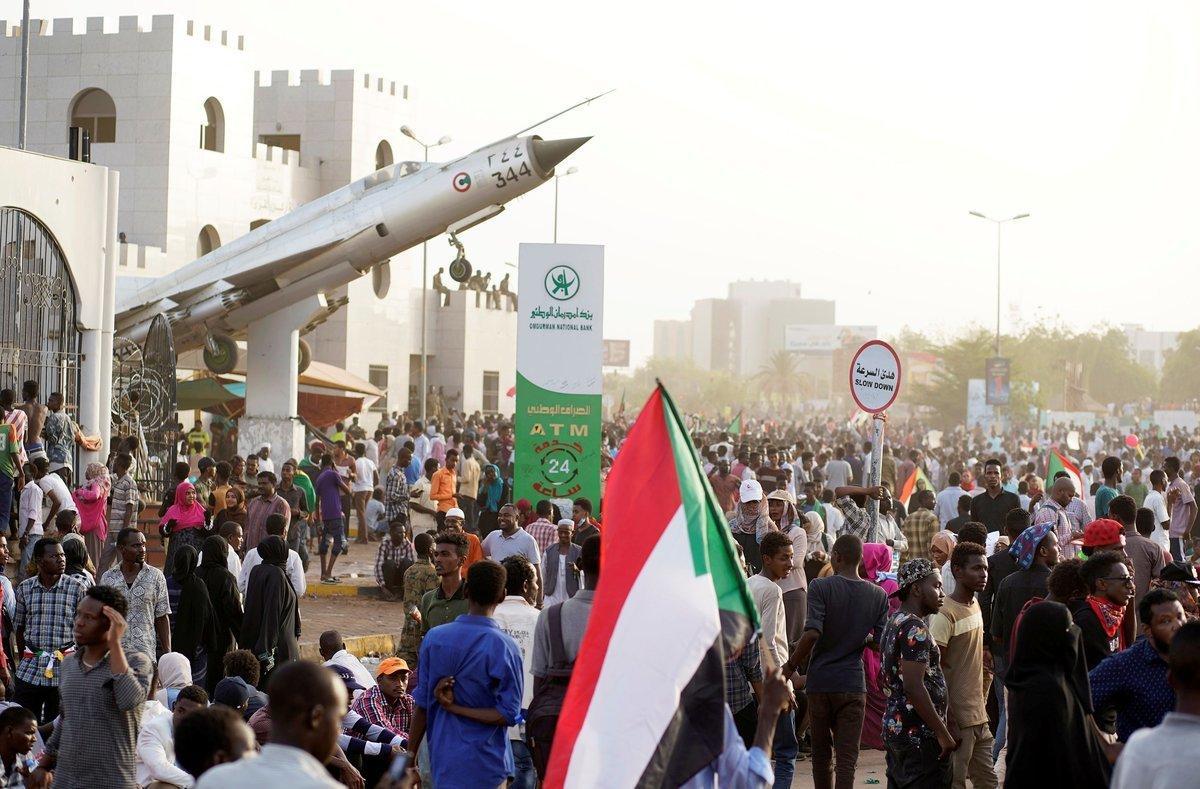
{"x": 668, "y": 623}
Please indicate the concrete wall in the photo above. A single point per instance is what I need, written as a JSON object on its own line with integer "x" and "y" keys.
{"x": 471, "y": 340}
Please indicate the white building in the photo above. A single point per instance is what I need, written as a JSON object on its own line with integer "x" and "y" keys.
{"x": 207, "y": 149}
{"x": 58, "y": 263}
{"x": 1150, "y": 348}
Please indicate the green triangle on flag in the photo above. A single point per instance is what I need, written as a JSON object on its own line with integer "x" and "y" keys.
{"x": 735, "y": 427}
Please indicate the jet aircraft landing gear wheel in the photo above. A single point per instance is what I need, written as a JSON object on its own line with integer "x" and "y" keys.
{"x": 220, "y": 353}
{"x": 305, "y": 356}
{"x": 460, "y": 267}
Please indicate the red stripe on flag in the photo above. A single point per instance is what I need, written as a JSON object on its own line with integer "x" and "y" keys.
{"x": 641, "y": 497}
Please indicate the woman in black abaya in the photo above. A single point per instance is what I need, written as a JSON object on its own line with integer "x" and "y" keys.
{"x": 193, "y": 633}
{"x": 271, "y": 626}
{"x": 1052, "y": 738}
{"x": 226, "y": 606}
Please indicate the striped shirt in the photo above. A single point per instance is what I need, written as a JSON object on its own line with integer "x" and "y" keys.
{"x": 96, "y": 739}
{"x": 124, "y": 492}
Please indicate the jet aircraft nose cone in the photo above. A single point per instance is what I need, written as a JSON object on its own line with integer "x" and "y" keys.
{"x": 548, "y": 153}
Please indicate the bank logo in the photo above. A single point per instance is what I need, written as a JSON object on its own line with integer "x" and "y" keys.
{"x": 562, "y": 283}
{"x": 462, "y": 182}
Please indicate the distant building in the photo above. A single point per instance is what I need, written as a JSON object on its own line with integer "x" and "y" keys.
{"x": 739, "y": 333}
{"x": 673, "y": 339}
{"x": 208, "y": 149}
{"x": 1150, "y": 348}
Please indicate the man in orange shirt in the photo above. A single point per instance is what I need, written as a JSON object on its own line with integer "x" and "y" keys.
{"x": 442, "y": 487}
{"x": 454, "y": 523}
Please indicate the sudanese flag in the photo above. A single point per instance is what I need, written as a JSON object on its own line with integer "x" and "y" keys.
{"x": 645, "y": 706}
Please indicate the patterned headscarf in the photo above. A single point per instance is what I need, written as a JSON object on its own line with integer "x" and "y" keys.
{"x": 98, "y": 472}
{"x": 1027, "y": 544}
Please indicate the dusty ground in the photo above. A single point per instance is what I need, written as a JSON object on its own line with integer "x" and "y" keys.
{"x": 353, "y": 616}
{"x": 870, "y": 766}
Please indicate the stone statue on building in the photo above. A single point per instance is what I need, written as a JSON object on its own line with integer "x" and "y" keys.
{"x": 440, "y": 288}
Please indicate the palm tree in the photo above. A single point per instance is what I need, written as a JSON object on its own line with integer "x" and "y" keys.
{"x": 779, "y": 379}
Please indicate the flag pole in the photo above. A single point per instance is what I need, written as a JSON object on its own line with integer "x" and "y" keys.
{"x": 874, "y": 477}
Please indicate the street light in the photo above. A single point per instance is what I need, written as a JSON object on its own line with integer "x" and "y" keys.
{"x": 570, "y": 171}
{"x": 408, "y": 132}
{"x": 998, "y": 223}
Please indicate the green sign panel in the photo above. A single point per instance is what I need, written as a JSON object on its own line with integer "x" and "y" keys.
{"x": 559, "y": 356}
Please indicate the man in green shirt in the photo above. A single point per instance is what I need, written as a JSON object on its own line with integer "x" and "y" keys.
{"x": 1136, "y": 489}
{"x": 449, "y": 600}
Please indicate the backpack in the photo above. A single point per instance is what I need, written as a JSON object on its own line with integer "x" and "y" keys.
{"x": 541, "y": 719}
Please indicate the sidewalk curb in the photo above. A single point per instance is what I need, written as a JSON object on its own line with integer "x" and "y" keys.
{"x": 318, "y": 589}
{"x": 379, "y": 643}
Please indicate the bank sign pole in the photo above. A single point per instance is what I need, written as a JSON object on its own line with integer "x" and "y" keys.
{"x": 874, "y": 385}
{"x": 560, "y": 353}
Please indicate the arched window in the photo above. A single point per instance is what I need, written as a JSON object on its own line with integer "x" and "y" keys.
{"x": 207, "y": 241}
{"x": 383, "y": 155}
{"x": 212, "y": 133}
{"x": 257, "y": 223}
{"x": 94, "y": 110}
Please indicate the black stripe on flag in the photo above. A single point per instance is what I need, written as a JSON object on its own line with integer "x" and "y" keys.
{"x": 696, "y": 734}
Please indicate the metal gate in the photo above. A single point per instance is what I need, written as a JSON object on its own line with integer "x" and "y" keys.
{"x": 39, "y": 336}
{"x": 143, "y": 406}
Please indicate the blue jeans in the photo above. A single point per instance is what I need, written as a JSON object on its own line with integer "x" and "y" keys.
{"x": 786, "y": 749}
{"x": 335, "y": 532}
{"x": 1000, "y": 665}
{"x": 1177, "y": 549}
{"x": 525, "y": 776}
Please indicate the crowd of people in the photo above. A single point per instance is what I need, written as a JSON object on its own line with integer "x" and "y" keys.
{"x": 973, "y": 615}
{"x": 130, "y": 676}
{"x": 989, "y": 625}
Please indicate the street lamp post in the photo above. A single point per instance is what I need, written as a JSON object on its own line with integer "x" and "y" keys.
{"x": 408, "y": 132}
{"x": 999, "y": 223}
{"x": 570, "y": 171}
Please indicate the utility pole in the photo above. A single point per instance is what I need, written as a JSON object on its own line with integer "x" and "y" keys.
{"x": 23, "y": 102}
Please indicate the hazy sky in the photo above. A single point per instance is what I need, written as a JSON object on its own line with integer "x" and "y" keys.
{"x": 839, "y": 145}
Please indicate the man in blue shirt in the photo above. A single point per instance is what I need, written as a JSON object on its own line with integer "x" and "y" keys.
{"x": 469, "y": 690}
{"x": 1134, "y": 681}
{"x": 1111, "y": 468}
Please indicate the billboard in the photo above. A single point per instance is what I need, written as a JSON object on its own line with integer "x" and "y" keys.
{"x": 560, "y": 351}
{"x": 823, "y": 338}
{"x": 996, "y": 376}
{"x": 616, "y": 353}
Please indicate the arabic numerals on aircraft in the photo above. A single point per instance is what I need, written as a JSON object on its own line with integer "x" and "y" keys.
{"x": 514, "y": 172}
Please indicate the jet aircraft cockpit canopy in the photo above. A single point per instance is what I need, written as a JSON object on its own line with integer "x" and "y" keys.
{"x": 390, "y": 173}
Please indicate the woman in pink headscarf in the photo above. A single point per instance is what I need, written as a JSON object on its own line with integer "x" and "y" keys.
{"x": 876, "y": 568}
{"x": 91, "y": 500}
{"x": 185, "y": 521}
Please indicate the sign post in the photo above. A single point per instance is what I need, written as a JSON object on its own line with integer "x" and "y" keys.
{"x": 874, "y": 385}
{"x": 559, "y": 378}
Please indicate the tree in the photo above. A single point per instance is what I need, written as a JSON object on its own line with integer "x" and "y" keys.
{"x": 1181, "y": 369}
{"x": 780, "y": 378}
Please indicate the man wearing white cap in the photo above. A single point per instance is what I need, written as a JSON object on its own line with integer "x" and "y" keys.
{"x": 454, "y": 522}
{"x": 264, "y": 457}
{"x": 750, "y": 521}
